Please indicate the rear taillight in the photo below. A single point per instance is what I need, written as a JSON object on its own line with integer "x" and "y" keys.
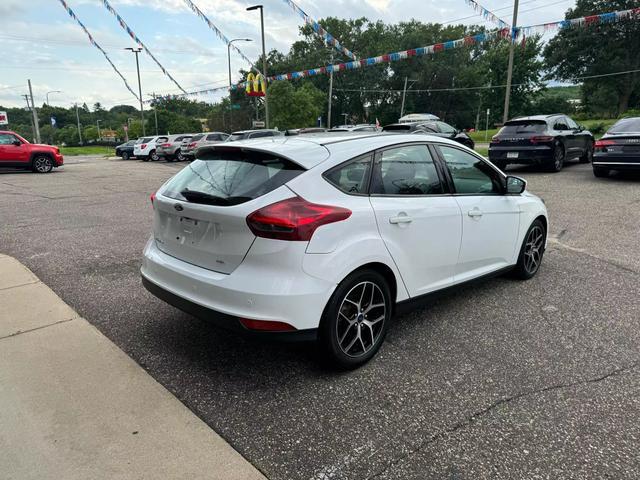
{"x": 165, "y": 145}
{"x": 603, "y": 144}
{"x": 266, "y": 325}
{"x": 191, "y": 145}
{"x": 143, "y": 146}
{"x": 153, "y": 199}
{"x": 293, "y": 219}
{"x": 541, "y": 139}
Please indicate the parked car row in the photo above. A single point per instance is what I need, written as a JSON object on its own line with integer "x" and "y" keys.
{"x": 182, "y": 147}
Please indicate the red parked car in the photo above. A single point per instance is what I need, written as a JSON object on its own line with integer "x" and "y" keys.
{"x": 16, "y": 152}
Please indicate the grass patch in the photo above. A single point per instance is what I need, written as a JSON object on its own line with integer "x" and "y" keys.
{"x": 87, "y": 150}
{"x": 479, "y": 136}
{"x": 483, "y": 151}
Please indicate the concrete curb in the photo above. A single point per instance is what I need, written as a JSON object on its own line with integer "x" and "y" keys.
{"x": 74, "y": 406}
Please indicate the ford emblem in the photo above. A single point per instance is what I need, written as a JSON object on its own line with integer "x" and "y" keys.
{"x": 178, "y": 207}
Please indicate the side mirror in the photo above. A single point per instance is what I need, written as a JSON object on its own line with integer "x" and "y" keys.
{"x": 515, "y": 185}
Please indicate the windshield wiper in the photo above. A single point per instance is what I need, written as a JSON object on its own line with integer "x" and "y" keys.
{"x": 194, "y": 196}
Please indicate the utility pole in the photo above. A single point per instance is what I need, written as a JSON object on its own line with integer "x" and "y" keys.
{"x": 137, "y": 51}
{"x": 99, "y": 134}
{"x": 264, "y": 65}
{"x": 155, "y": 111}
{"x": 33, "y": 130}
{"x": 35, "y": 115}
{"x": 330, "y": 92}
{"x": 404, "y": 95}
{"x": 78, "y": 120}
{"x": 505, "y": 115}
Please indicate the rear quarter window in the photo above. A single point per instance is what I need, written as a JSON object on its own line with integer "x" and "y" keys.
{"x": 230, "y": 177}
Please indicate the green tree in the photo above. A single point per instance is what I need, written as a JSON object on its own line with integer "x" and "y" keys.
{"x": 598, "y": 49}
{"x": 292, "y": 107}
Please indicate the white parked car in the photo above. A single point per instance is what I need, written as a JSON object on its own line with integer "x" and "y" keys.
{"x": 145, "y": 148}
{"x": 322, "y": 237}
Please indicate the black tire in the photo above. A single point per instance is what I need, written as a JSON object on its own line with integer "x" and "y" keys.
{"x": 588, "y": 155}
{"x": 557, "y": 162}
{"x": 601, "y": 172}
{"x": 346, "y": 335}
{"x": 126, "y": 156}
{"x": 42, "y": 164}
{"x": 180, "y": 157}
{"x": 154, "y": 156}
{"x": 531, "y": 252}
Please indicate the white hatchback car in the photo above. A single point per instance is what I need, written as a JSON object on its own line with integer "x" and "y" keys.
{"x": 323, "y": 236}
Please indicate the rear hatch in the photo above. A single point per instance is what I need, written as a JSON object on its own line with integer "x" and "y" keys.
{"x": 619, "y": 143}
{"x": 200, "y": 214}
{"x": 520, "y": 133}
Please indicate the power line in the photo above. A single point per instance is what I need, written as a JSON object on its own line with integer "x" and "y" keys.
{"x": 483, "y": 87}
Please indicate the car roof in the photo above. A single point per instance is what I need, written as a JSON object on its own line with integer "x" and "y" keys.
{"x": 542, "y": 118}
{"x": 314, "y": 148}
{"x": 238, "y": 132}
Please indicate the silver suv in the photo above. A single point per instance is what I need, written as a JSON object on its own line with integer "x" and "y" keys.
{"x": 201, "y": 140}
{"x": 169, "y": 147}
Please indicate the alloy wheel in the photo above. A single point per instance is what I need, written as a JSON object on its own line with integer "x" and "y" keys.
{"x": 43, "y": 164}
{"x": 361, "y": 318}
{"x": 533, "y": 249}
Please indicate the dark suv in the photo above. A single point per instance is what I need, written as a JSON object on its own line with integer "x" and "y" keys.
{"x": 547, "y": 140}
{"x": 432, "y": 127}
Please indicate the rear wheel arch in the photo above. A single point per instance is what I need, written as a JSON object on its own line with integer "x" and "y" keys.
{"x": 386, "y": 272}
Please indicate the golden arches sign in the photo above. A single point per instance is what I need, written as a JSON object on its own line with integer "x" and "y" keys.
{"x": 256, "y": 86}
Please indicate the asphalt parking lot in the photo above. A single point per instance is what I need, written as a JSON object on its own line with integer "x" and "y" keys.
{"x": 504, "y": 379}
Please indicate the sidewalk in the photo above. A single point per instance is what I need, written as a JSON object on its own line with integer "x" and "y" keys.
{"x": 74, "y": 406}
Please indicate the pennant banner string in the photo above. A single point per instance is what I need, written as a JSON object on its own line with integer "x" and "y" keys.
{"x": 95, "y": 44}
{"x": 219, "y": 33}
{"x": 487, "y": 14}
{"x": 504, "y": 33}
{"x": 326, "y": 36}
{"x": 135, "y": 38}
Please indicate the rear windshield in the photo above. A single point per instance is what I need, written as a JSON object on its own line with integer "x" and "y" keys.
{"x": 236, "y": 136}
{"x": 195, "y": 138}
{"x": 182, "y": 138}
{"x": 162, "y": 139}
{"x": 626, "y": 125}
{"x": 145, "y": 140}
{"x": 523, "y": 127}
{"x": 230, "y": 177}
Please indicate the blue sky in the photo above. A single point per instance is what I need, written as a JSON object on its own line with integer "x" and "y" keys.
{"x": 48, "y": 47}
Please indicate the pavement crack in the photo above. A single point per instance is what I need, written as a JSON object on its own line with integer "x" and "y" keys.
{"x": 485, "y": 411}
{"x": 20, "y": 332}
{"x": 556, "y": 242}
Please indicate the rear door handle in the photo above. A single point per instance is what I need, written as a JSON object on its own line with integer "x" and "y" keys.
{"x": 400, "y": 219}
{"x": 475, "y": 213}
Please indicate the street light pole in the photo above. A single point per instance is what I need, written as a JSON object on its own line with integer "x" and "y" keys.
{"x": 404, "y": 94}
{"x": 137, "y": 51}
{"x": 230, "y": 81}
{"x": 507, "y": 96}
{"x": 52, "y": 91}
{"x": 330, "y": 93}
{"x": 78, "y": 120}
{"x": 264, "y": 64}
{"x": 345, "y": 115}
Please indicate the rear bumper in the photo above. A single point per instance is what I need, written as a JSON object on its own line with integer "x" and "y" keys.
{"x": 617, "y": 162}
{"x": 222, "y": 320}
{"x": 256, "y": 289}
{"x": 538, "y": 154}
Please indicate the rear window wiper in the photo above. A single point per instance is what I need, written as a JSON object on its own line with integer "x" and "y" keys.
{"x": 195, "y": 196}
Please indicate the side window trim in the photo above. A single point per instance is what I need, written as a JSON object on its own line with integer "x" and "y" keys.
{"x": 450, "y": 177}
{"x": 367, "y": 190}
{"x": 427, "y": 145}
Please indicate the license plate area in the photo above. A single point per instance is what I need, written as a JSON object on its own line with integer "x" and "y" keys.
{"x": 191, "y": 231}
{"x": 512, "y": 154}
